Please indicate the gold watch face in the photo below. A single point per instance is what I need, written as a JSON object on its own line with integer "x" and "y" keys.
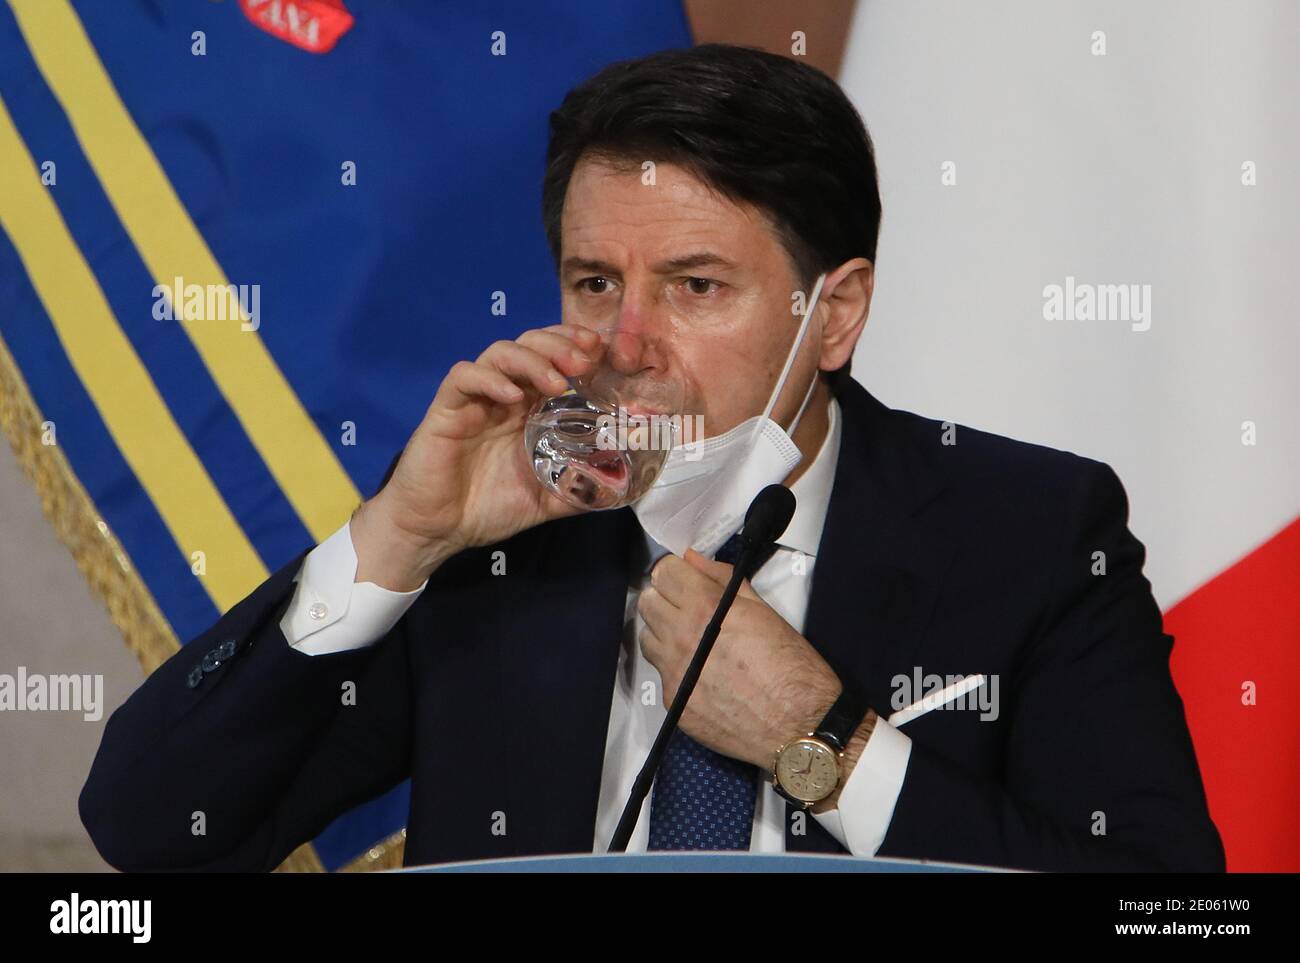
{"x": 808, "y": 770}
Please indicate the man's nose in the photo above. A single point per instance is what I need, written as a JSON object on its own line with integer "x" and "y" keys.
{"x": 639, "y": 335}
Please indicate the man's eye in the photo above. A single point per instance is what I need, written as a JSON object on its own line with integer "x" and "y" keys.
{"x": 700, "y": 286}
{"x": 594, "y": 285}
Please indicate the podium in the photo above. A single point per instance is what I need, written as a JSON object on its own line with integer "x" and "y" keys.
{"x": 698, "y": 862}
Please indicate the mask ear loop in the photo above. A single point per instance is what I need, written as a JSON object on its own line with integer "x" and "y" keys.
{"x": 789, "y": 363}
{"x": 807, "y": 397}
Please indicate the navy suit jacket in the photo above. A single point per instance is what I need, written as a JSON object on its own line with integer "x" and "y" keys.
{"x": 493, "y": 692}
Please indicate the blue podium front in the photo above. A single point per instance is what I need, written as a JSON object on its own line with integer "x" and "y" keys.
{"x": 697, "y": 863}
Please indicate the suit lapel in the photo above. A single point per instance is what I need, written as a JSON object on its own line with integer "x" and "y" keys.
{"x": 560, "y": 626}
{"x": 879, "y": 565}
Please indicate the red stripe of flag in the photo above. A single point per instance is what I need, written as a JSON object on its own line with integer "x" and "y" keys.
{"x": 1244, "y": 627}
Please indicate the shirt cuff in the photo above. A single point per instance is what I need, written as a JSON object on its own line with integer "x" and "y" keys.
{"x": 866, "y": 806}
{"x": 330, "y": 612}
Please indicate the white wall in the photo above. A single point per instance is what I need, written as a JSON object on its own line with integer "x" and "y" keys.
{"x": 1124, "y": 168}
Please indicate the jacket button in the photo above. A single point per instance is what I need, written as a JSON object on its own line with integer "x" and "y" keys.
{"x": 226, "y": 649}
{"x": 195, "y": 677}
{"x": 211, "y": 662}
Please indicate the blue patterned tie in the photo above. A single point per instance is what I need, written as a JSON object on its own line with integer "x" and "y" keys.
{"x": 702, "y": 799}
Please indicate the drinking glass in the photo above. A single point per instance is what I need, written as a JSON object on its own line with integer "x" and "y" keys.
{"x": 602, "y": 443}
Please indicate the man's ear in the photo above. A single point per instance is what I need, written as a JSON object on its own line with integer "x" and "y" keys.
{"x": 846, "y": 295}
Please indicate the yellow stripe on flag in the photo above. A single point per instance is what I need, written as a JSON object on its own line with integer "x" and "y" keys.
{"x": 118, "y": 383}
{"x": 299, "y": 458}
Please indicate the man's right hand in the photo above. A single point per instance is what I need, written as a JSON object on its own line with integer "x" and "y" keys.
{"x": 464, "y": 478}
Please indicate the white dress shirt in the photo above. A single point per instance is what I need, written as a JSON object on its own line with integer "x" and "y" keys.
{"x": 332, "y": 613}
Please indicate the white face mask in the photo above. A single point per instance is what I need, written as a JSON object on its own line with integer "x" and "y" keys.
{"x": 700, "y": 498}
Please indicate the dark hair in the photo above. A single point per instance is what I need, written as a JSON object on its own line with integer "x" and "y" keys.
{"x": 757, "y": 127}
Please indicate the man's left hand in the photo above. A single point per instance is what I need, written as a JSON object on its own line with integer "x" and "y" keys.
{"x": 763, "y": 685}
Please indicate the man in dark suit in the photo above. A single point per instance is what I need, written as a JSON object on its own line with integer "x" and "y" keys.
{"x": 470, "y": 631}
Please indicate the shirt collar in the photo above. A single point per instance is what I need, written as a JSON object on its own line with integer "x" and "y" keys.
{"x": 812, "y": 491}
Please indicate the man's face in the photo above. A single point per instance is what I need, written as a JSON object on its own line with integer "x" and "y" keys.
{"x": 705, "y": 279}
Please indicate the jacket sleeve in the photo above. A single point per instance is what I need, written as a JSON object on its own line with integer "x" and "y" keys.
{"x": 1099, "y": 772}
{"x": 239, "y": 748}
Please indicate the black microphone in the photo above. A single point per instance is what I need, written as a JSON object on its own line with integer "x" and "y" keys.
{"x": 769, "y": 514}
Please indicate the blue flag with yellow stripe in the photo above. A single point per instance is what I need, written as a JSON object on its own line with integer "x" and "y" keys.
{"x": 241, "y": 242}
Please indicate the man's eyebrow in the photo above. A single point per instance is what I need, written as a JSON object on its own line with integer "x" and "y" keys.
{"x": 688, "y": 261}
{"x": 572, "y": 264}
{"x": 671, "y": 266}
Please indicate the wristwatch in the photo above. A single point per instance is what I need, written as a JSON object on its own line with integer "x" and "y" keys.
{"x": 806, "y": 770}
